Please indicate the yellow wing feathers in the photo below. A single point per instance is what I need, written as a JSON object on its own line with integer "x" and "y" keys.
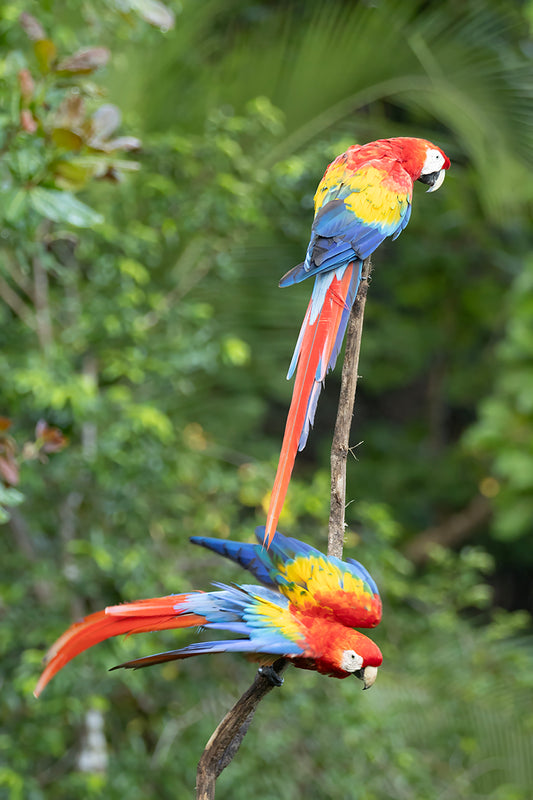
{"x": 310, "y": 575}
{"x": 268, "y": 614}
{"x": 369, "y": 194}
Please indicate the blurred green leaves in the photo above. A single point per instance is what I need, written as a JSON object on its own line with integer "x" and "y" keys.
{"x": 62, "y": 206}
{"x": 52, "y": 143}
{"x": 504, "y": 432}
{"x": 144, "y": 323}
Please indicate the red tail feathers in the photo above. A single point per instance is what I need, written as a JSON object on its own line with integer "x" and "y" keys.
{"x": 144, "y": 615}
{"x": 319, "y": 342}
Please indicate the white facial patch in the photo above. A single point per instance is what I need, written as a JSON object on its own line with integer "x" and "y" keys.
{"x": 351, "y": 661}
{"x": 433, "y": 162}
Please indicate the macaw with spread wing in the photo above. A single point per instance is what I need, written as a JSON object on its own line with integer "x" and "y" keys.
{"x": 363, "y": 198}
{"x": 305, "y": 611}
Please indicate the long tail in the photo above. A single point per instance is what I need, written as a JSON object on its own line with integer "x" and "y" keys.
{"x": 158, "y": 613}
{"x": 316, "y": 352}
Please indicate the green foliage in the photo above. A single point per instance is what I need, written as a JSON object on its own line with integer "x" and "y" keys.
{"x": 141, "y": 319}
{"x": 504, "y": 432}
{"x": 51, "y": 142}
{"x": 447, "y": 713}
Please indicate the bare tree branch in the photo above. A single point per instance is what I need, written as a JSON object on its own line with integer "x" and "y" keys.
{"x": 42, "y": 305}
{"x": 89, "y": 430}
{"x": 18, "y": 277}
{"x": 16, "y": 304}
{"x": 228, "y": 736}
{"x": 341, "y": 436}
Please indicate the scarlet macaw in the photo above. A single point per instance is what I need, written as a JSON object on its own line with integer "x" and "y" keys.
{"x": 363, "y": 198}
{"x": 305, "y": 611}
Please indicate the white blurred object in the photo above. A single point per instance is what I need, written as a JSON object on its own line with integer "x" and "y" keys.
{"x": 93, "y": 755}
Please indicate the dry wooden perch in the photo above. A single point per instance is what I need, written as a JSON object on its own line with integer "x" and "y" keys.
{"x": 227, "y": 738}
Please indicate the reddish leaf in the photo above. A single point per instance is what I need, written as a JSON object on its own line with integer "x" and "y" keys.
{"x": 111, "y": 174}
{"x": 5, "y": 424}
{"x": 71, "y": 112}
{"x": 9, "y": 471}
{"x": 154, "y": 12}
{"x": 27, "y": 121}
{"x": 41, "y": 428}
{"x": 49, "y": 440}
{"x": 85, "y": 61}
{"x": 126, "y": 143}
{"x": 32, "y": 27}
{"x": 104, "y": 121}
{"x": 27, "y": 84}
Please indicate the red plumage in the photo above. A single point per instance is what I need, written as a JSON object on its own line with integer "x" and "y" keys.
{"x": 140, "y": 617}
{"x": 316, "y": 349}
{"x": 363, "y": 198}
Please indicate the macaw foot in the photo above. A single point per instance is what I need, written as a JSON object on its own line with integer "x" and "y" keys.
{"x": 271, "y": 675}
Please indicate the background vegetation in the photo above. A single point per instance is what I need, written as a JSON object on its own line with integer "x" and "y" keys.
{"x": 158, "y": 164}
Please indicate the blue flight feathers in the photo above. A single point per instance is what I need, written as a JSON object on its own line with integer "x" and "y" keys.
{"x": 339, "y": 237}
{"x": 263, "y": 563}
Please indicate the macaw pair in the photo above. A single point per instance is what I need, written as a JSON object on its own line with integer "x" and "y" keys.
{"x": 305, "y": 610}
{"x": 308, "y": 604}
{"x": 363, "y": 198}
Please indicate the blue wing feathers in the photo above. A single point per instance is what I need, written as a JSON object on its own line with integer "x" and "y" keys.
{"x": 403, "y": 224}
{"x": 339, "y": 236}
{"x": 294, "y": 275}
{"x": 236, "y": 609}
{"x": 232, "y": 627}
{"x": 284, "y": 647}
{"x": 333, "y": 219}
{"x": 248, "y": 556}
{"x": 227, "y": 605}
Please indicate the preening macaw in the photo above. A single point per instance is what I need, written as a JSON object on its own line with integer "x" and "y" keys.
{"x": 306, "y": 611}
{"x": 363, "y": 198}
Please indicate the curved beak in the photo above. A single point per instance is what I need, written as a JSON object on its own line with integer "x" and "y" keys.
{"x": 433, "y": 179}
{"x": 368, "y": 675}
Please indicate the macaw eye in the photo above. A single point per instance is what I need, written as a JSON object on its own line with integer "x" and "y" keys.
{"x": 351, "y": 661}
{"x": 433, "y": 162}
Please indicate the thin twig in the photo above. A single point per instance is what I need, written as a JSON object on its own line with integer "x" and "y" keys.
{"x": 341, "y": 436}
{"x": 42, "y": 304}
{"x": 227, "y": 738}
{"x": 14, "y": 272}
{"x": 16, "y": 304}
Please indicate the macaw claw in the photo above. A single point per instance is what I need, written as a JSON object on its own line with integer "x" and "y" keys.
{"x": 271, "y": 675}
